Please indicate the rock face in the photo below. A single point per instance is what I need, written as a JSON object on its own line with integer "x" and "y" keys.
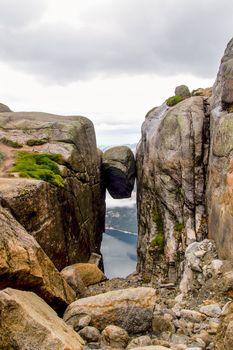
{"x": 119, "y": 171}
{"x": 24, "y": 265}
{"x": 66, "y": 221}
{"x": 171, "y": 162}
{"x": 27, "y": 322}
{"x": 131, "y": 309}
{"x": 4, "y": 108}
{"x": 220, "y": 170}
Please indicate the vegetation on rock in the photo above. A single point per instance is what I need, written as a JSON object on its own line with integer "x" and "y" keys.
{"x": 10, "y": 142}
{"x": 36, "y": 142}
{"x": 173, "y": 100}
{"x": 41, "y": 166}
{"x": 2, "y": 157}
{"x": 158, "y": 240}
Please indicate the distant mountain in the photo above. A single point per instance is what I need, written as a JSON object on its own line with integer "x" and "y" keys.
{"x": 122, "y": 218}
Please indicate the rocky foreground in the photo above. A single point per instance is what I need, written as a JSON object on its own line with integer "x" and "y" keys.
{"x": 53, "y": 292}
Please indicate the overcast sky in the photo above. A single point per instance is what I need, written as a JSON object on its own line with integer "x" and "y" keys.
{"x": 110, "y": 60}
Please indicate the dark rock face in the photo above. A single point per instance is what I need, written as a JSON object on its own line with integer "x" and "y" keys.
{"x": 220, "y": 170}
{"x": 66, "y": 221}
{"x": 119, "y": 171}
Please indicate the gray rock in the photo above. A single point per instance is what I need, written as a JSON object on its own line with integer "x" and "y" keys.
{"x": 79, "y": 321}
{"x": 27, "y": 322}
{"x": 170, "y": 178}
{"x": 90, "y": 334}
{"x": 119, "y": 171}
{"x": 182, "y": 91}
{"x": 144, "y": 340}
{"x": 220, "y": 177}
{"x": 4, "y": 108}
{"x": 192, "y": 315}
{"x": 66, "y": 221}
{"x": 114, "y": 337}
{"x": 211, "y": 310}
{"x": 131, "y": 309}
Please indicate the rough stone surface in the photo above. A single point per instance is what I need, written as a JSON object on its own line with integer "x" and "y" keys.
{"x": 182, "y": 91}
{"x": 4, "y": 108}
{"x": 144, "y": 340}
{"x": 90, "y": 334}
{"x": 88, "y": 273}
{"x": 27, "y": 322}
{"x": 220, "y": 170}
{"x": 115, "y": 337}
{"x": 211, "y": 310}
{"x": 67, "y": 222}
{"x": 131, "y": 309}
{"x": 119, "y": 171}
{"x": 171, "y": 161}
{"x": 224, "y": 339}
{"x": 24, "y": 265}
{"x": 73, "y": 278}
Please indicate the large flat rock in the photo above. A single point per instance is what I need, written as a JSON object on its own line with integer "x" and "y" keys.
{"x": 27, "y": 322}
{"x": 131, "y": 309}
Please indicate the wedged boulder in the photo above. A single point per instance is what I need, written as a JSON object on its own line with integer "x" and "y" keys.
{"x": 130, "y": 309}
{"x": 119, "y": 171}
{"x": 68, "y": 220}
{"x": 27, "y": 322}
{"x": 171, "y": 163}
{"x": 24, "y": 265}
{"x": 220, "y": 169}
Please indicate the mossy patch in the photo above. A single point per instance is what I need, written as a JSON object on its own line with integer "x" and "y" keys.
{"x": 178, "y": 228}
{"x": 36, "y": 142}
{"x": 40, "y": 166}
{"x": 173, "y": 100}
{"x": 10, "y": 143}
{"x": 158, "y": 240}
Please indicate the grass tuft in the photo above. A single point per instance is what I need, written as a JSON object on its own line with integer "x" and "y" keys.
{"x": 40, "y": 166}
{"x": 36, "y": 142}
{"x": 173, "y": 100}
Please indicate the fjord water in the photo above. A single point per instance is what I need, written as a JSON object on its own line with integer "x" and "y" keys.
{"x": 120, "y": 238}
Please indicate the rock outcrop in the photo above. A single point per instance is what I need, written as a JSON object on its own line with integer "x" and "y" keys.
{"x": 119, "y": 171}
{"x": 220, "y": 169}
{"x": 24, "y": 265}
{"x": 171, "y": 166}
{"x": 131, "y": 309}
{"x": 66, "y": 221}
{"x": 27, "y": 322}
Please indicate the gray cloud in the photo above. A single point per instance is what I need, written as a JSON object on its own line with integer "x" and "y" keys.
{"x": 122, "y": 37}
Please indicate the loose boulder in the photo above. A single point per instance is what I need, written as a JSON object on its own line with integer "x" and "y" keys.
{"x": 131, "y": 309}
{"x": 119, "y": 171}
{"x": 27, "y": 322}
{"x": 82, "y": 274}
{"x": 182, "y": 91}
{"x": 114, "y": 336}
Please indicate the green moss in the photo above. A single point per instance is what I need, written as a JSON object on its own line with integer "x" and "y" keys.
{"x": 158, "y": 240}
{"x": 40, "y": 166}
{"x": 146, "y": 279}
{"x": 36, "y": 142}
{"x": 173, "y": 100}
{"x": 10, "y": 143}
{"x": 178, "y": 227}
